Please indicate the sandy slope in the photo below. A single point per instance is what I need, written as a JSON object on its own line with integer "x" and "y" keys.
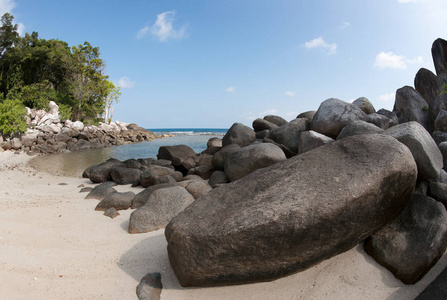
{"x": 53, "y": 245}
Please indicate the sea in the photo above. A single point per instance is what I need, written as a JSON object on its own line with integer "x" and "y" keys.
{"x": 74, "y": 163}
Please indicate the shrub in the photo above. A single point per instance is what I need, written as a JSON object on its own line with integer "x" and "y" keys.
{"x": 64, "y": 112}
{"x": 12, "y": 117}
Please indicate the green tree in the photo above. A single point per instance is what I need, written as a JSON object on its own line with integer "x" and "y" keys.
{"x": 113, "y": 93}
{"x": 8, "y": 32}
{"x": 12, "y": 117}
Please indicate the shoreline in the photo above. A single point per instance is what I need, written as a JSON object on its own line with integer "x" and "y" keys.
{"x": 55, "y": 245}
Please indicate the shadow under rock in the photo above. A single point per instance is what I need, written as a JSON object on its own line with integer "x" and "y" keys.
{"x": 149, "y": 256}
{"x": 125, "y": 225}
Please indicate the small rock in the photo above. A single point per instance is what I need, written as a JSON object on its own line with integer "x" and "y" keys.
{"x": 150, "y": 287}
{"x": 112, "y": 213}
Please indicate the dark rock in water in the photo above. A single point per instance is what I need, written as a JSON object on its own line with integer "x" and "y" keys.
{"x": 261, "y": 124}
{"x": 149, "y": 177}
{"x": 334, "y": 114}
{"x": 365, "y": 105}
{"x": 125, "y": 175}
{"x": 111, "y": 213}
{"x": 218, "y": 177}
{"x": 357, "y": 128}
{"x": 310, "y": 140}
{"x": 389, "y": 114}
{"x": 120, "y": 201}
{"x": 424, "y": 149}
{"x": 176, "y": 154}
{"x": 288, "y": 134}
{"x": 427, "y": 84}
{"x": 438, "y": 103}
{"x": 248, "y": 159}
{"x": 218, "y": 159}
{"x": 142, "y": 197}
{"x": 410, "y": 106}
{"x": 161, "y": 207}
{"x": 150, "y": 287}
{"x": 100, "y": 173}
{"x": 290, "y": 216}
{"x": 439, "y": 54}
{"x": 413, "y": 242}
{"x": 198, "y": 188}
{"x": 309, "y": 115}
{"x": 99, "y": 192}
{"x": 239, "y": 134}
{"x": 437, "y": 290}
{"x": 277, "y": 120}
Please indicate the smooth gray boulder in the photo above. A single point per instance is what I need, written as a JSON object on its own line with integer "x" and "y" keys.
{"x": 161, "y": 207}
{"x": 441, "y": 121}
{"x": 438, "y": 103}
{"x": 439, "y": 54}
{"x": 150, "y": 287}
{"x": 251, "y": 158}
{"x": 379, "y": 120}
{"x": 390, "y": 115}
{"x": 125, "y": 175}
{"x": 119, "y": 201}
{"x": 357, "y": 128}
{"x": 261, "y": 124}
{"x": 443, "y": 148}
{"x": 214, "y": 142}
{"x": 334, "y": 114}
{"x": 277, "y": 120}
{"x": 410, "y": 106}
{"x": 413, "y": 242}
{"x": 364, "y": 104}
{"x": 438, "y": 191}
{"x": 218, "y": 177}
{"x": 176, "y": 154}
{"x": 100, "y": 191}
{"x": 309, "y": 140}
{"x": 149, "y": 177}
{"x": 288, "y": 134}
{"x": 309, "y": 115}
{"x": 198, "y": 188}
{"x": 142, "y": 197}
{"x": 427, "y": 84}
{"x": 291, "y": 215}
{"x": 101, "y": 172}
{"x": 219, "y": 158}
{"x": 239, "y": 134}
{"x": 426, "y": 153}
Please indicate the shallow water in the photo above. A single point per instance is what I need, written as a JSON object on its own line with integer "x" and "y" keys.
{"x": 74, "y": 163}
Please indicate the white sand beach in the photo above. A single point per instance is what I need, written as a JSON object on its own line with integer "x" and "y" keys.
{"x": 54, "y": 245}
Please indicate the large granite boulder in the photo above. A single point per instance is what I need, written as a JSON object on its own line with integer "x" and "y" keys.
{"x": 239, "y": 134}
{"x": 427, "y": 84}
{"x": 410, "y": 106}
{"x": 161, "y": 207}
{"x": 309, "y": 140}
{"x": 101, "y": 172}
{"x": 364, "y": 104}
{"x": 334, "y": 114}
{"x": 119, "y": 201}
{"x": 426, "y": 153}
{"x": 292, "y": 215}
{"x": 176, "y": 154}
{"x": 149, "y": 177}
{"x": 288, "y": 134}
{"x": 441, "y": 121}
{"x": 100, "y": 191}
{"x": 438, "y": 103}
{"x": 198, "y": 188}
{"x": 142, "y": 197}
{"x": 309, "y": 115}
{"x": 413, "y": 242}
{"x": 251, "y": 158}
{"x": 357, "y": 128}
{"x": 261, "y": 124}
{"x": 277, "y": 120}
{"x": 219, "y": 158}
{"x": 390, "y": 115}
{"x": 439, "y": 54}
{"x": 125, "y": 175}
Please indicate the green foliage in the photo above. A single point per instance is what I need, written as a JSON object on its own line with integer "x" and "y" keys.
{"x": 425, "y": 108}
{"x": 12, "y": 117}
{"x": 64, "y": 112}
{"x": 37, "y": 71}
{"x": 444, "y": 88}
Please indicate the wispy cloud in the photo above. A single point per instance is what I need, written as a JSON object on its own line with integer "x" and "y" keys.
{"x": 387, "y": 98}
{"x": 230, "y": 89}
{"x": 394, "y": 61}
{"x": 125, "y": 83}
{"x": 163, "y": 28}
{"x": 407, "y": 1}
{"x": 290, "y": 94}
{"x": 21, "y": 29}
{"x": 345, "y": 25}
{"x": 321, "y": 43}
{"x": 6, "y": 6}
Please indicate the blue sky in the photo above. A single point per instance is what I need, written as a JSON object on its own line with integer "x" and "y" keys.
{"x": 210, "y": 63}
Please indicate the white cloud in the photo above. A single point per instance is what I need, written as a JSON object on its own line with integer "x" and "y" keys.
{"x": 321, "y": 43}
{"x": 163, "y": 28}
{"x": 394, "y": 61}
{"x": 290, "y": 94}
{"x": 6, "y": 6}
{"x": 387, "y": 98}
{"x": 230, "y": 89}
{"x": 269, "y": 112}
{"x": 345, "y": 25}
{"x": 21, "y": 29}
{"x": 407, "y": 1}
{"x": 125, "y": 83}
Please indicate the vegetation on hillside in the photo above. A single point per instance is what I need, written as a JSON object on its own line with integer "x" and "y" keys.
{"x": 35, "y": 71}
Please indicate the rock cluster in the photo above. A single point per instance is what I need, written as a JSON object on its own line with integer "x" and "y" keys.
{"x": 282, "y": 196}
{"x": 47, "y": 134}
